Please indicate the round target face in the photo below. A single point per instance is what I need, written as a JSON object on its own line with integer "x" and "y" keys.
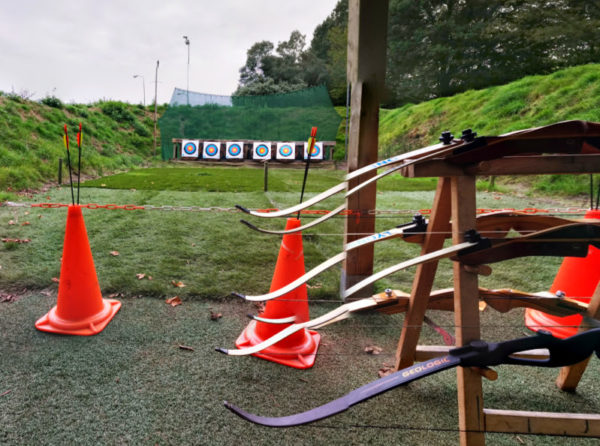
{"x": 234, "y": 150}
{"x": 316, "y": 150}
{"x": 262, "y": 150}
{"x": 211, "y": 150}
{"x": 285, "y": 150}
{"x": 189, "y": 148}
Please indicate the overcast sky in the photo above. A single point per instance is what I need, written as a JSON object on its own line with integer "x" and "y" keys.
{"x": 85, "y": 50}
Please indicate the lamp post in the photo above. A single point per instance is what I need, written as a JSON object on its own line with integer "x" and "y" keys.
{"x": 187, "y": 43}
{"x": 135, "y": 76}
{"x": 155, "y": 94}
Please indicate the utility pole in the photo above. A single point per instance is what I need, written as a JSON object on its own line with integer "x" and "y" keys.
{"x": 155, "y": 94}
{"x": 187, "y": 42}
{"x": 135, "y": 76}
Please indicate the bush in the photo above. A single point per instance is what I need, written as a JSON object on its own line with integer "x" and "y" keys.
{"x": 52, "y": 101}
{"x": 118, "y": 111}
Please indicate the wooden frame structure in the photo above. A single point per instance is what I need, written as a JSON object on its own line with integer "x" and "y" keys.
{"x": 455, "y": 201}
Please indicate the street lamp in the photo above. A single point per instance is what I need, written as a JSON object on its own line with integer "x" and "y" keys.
{"x": 187, "y": 43}
{"x": 135, "y": 76}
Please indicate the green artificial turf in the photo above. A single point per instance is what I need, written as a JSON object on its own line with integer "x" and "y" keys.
{"x": 133, "y": 384}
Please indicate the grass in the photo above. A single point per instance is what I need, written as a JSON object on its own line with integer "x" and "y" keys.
{"x": 133, "y": 384}
{"x": 118, "y": 136}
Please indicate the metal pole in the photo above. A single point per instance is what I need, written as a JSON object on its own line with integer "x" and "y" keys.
{"x": 143, "y": 85}
{"x": 59, "y": 171}
{"x": 187, "y": 42}
{"x": 155, "y": 94}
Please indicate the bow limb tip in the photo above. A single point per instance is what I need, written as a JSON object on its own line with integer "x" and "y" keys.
{"x": 250, "y": 225}
{"x": 222, "y": 350}
{"x": 242, "y": 208}
{"x": 240, "y": 295}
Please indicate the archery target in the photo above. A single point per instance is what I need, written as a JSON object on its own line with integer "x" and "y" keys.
{"x": 211, "y": 150}
{"x": 189, "y": 148}
{"x": 261, "y": 151}
{"x": 234, "y": 150}
{"x": 286, "y": 151}
{"x": 317, "y": 152}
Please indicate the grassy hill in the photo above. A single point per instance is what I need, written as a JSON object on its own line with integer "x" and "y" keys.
{"x": 118, "y": 136}
{"x": 115, "y": 136}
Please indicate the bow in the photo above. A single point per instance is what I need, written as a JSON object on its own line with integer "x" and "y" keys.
{"x": 562, "y": 137}
{"x": 569, "y": 240}
{"x": 495, "y": 224}
{"x": 562, "y": 352}
{"x": 396, "y": 301}
{"x": 416, "y": 227}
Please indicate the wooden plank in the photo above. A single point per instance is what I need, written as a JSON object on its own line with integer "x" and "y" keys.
{"x": 542, "y": 423}
{"x": 439, "y": 225}
{"x": 466, "y": 315}
{"x": 367, "y": 34}
{"x": 515, "y": 165}
{"x": 425, "y": 352}
{"x": 569, "y": 377}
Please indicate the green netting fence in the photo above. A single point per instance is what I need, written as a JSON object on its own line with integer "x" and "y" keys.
{"x": 280, "y": 117}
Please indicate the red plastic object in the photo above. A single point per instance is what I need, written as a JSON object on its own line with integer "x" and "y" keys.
{"x": 298, "y": 350}
{"x": 80, "y": 308}
{"x": 578, "y": 278}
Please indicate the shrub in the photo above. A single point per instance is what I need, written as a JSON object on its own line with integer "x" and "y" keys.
{"x": 52, "y": 101}
{"x": 118, "y": 111}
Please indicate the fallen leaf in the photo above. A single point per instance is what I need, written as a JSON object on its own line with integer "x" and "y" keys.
{"x": 16, "y": 240}
{"x": 185, "y": 347}
{"x": 55, "y": 279}
{"x": 5, "y": 393}
{"x": 113, "y": 295}
{"x": 482, "y": 305}
{"x": 114, "y": 253}
{"x": 140, "y": 276}
{"x": 26, "y": 212}
{"x": 46, "y": 293}
{"x": 103, "y": 185}
{"x": 177, "y": 284}
{"x": 260, "y": 306}
{"x": 174, "y": 301}
{"x": 373, "y": 350}
{"x": 215, "y": 316}
{"x": 149, "y": 277}
{"x": 385, "y": 371}
{"x": 11, "y": 222}
{"x": 25, "y": 223}
{"x": 315, "y": 286}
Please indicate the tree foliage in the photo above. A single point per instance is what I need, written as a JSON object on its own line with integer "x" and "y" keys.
{"x": 437, "y": 48}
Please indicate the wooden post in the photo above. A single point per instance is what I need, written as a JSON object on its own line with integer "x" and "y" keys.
{"x": 367, "y": 34}
{"x": 466, "y": 315}
{"x": 266, "y": 177}
{"x": 439, "y": 224}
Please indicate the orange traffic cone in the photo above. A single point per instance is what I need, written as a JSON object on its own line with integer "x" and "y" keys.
{"x": 577, "y": 277}
{"x": 298, "y": 350}
{"x": 80, "y": 309}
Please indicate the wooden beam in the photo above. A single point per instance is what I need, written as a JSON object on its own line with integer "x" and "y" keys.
{"x": 542, "y": 423}
{"x": 367, "y": 35}
{"x": 439, "y": 225}
{"x": 510, "y": 165}
{"x": 466, "y": 315}
{"x": 425, "y": 352}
